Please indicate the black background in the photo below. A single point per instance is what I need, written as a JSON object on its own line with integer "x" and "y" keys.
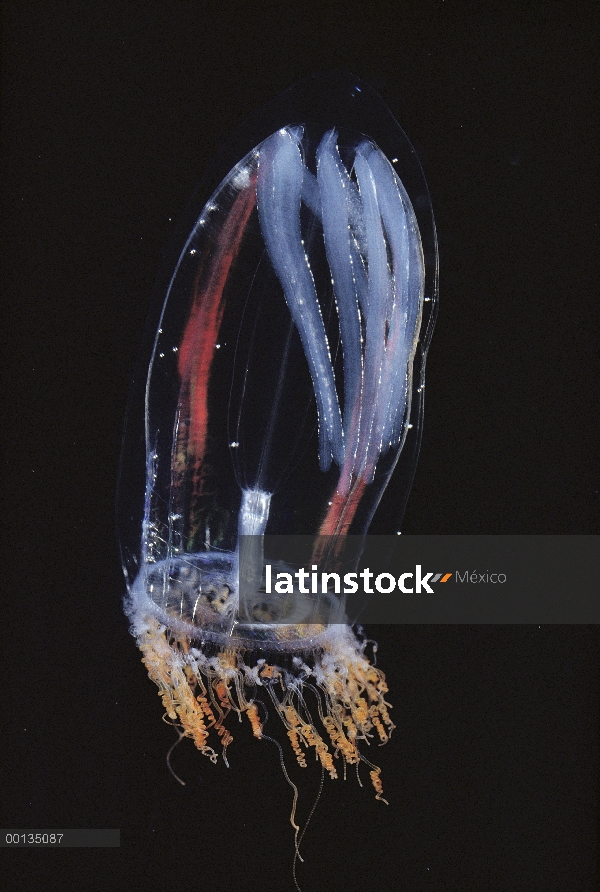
{"x": 110, "y": 113}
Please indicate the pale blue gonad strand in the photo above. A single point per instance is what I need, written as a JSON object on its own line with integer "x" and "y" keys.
{"x": 332, "y": 180}
{"x": 279, "y": 191}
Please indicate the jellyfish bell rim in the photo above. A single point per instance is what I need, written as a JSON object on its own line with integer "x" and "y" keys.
{"x": 230, "y": 628}
{"x": 282, "y": 638}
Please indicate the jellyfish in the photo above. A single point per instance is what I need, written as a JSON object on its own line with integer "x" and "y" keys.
{"x": 279, "y": 391}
